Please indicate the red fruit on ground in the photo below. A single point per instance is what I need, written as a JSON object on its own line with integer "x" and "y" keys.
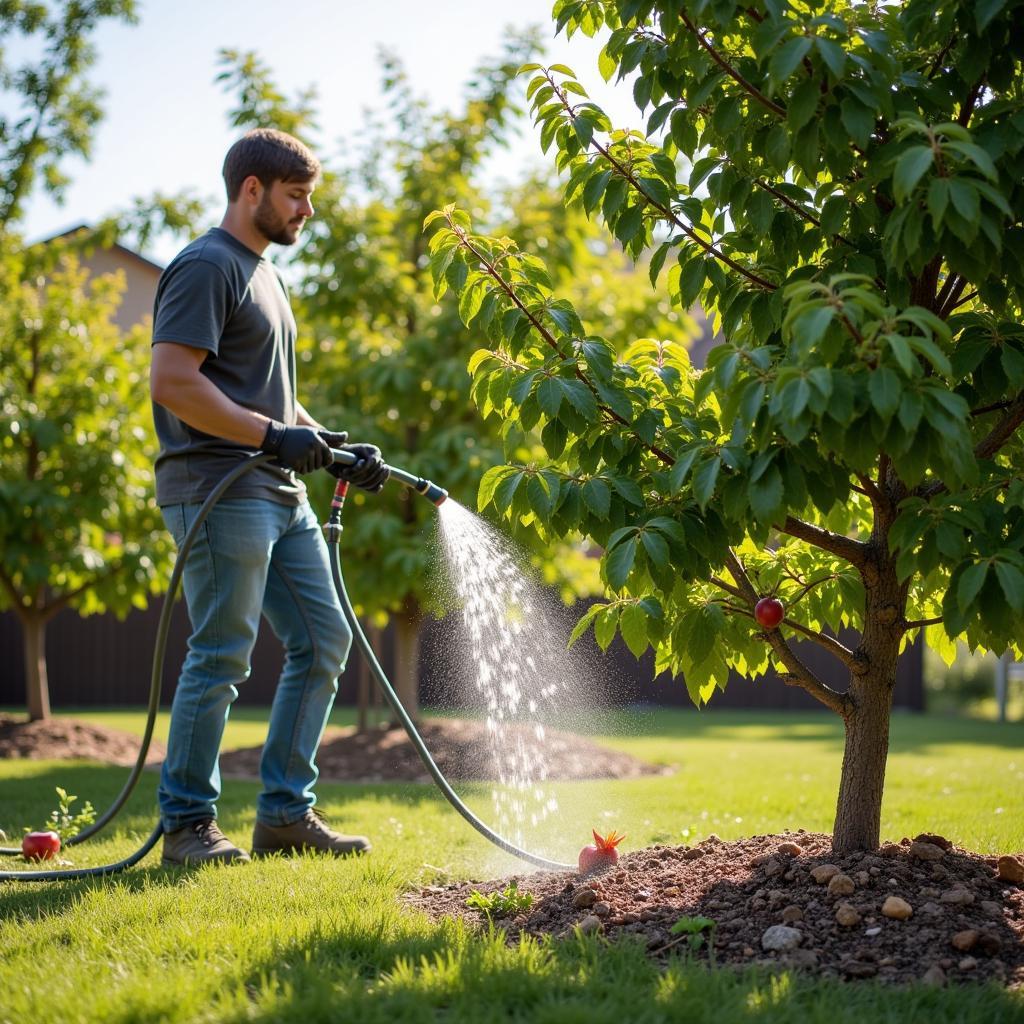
{"x": 40, "y": 845}
{"x": 769, "y": 612}
{"x": 601, "y": 853}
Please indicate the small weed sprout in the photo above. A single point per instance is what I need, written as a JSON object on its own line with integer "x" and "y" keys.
{"x": 693, "y": 929}
{"x": 63, "y": 822}
{"x": 501, "y": 902}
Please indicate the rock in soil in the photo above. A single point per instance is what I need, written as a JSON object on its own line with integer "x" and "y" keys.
{"x": 1011, "y": 869}
{"x": 726, "y": 882}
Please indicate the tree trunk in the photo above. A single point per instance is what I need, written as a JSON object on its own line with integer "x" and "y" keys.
{"x": 859, "y": 809}
{"x": 407, "y": 658}
{"x": 37, "y": 687}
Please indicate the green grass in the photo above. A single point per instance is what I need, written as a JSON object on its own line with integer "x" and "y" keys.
{"x": 310, "y": 940}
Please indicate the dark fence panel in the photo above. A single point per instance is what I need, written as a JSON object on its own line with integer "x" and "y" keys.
{"x": 101, "y": 661}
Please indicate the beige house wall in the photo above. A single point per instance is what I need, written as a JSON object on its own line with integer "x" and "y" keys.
{"x": 141, "y": 278}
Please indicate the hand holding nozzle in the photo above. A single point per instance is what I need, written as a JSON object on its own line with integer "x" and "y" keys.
{"x": 357, "y": 464}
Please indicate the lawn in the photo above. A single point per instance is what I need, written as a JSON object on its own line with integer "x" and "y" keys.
{"x": 312, "y": 940}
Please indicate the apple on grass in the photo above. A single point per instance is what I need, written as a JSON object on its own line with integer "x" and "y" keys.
{"x": 40, "y": 845}
{"x": 769, "y": 612}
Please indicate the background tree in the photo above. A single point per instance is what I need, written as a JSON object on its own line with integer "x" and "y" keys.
{"x": 842, "y": 192}
{"x": 78, "y": 526}
{"x": 383, "y": 357}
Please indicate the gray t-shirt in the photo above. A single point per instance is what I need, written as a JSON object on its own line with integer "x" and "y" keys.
{"x": 219, "y": 295}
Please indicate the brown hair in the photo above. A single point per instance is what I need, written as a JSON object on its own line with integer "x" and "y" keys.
{"x": 272, "y": 156}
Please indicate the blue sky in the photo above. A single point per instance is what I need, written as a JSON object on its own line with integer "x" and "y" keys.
{"x": 166, "y": 127}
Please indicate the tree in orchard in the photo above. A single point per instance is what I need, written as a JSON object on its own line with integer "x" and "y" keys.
{"x": 76, "y": 518}
{"x": 383, "y": 358}
{"x": 841, "y": 191}
{"x": 78, "y": 524}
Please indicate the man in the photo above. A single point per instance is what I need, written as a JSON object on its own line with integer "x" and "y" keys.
{"x": 223, "y": 386}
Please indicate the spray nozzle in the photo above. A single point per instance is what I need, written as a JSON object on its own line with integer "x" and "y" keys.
{"x": 434, "y": 494}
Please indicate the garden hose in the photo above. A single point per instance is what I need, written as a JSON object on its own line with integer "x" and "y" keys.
{"x": 332, "y": 530}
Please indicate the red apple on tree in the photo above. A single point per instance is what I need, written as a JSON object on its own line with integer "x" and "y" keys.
{"x": 769, "y": 612}
{"x": 40, "y": 845}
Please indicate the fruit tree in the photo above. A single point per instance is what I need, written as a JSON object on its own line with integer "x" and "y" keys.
{"x": 839, "y": 187}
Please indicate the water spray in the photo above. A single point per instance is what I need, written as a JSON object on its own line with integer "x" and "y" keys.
{"x": 332, "y": 532}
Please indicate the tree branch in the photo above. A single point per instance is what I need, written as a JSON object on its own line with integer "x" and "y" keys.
{"x": 546, "y": 334}
{"x": 966, "y": 298}
{"x": 666, "y": 212}
{"x": 1003, "y": 430}
{"x": 993, "y": 441}
{"x": 917, "y": 623}
{"x": 854, "y": 551}
{"x": 796, "y": 207}
{"x": 732, "y": 72}
{"x": 12, "y": 590}
{"x": 798, "y": 673}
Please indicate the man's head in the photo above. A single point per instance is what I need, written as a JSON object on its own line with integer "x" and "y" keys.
{"x": 270, "y": 175}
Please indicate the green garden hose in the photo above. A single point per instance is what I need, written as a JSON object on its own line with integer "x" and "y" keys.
{"x": 432, "y": 493}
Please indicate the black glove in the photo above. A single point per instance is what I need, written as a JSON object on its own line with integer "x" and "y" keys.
{"x": 370, "y": 472}
{"x": 334, "y": 438}
{"x": 298, "y": 448}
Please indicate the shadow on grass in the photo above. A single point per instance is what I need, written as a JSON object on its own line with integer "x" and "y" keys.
{"x": 454, "y": 974}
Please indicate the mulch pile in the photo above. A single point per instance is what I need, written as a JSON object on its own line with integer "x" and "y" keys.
{"x": 66, "y": 738}
{"x": 920, "y": 910}
{"x": 460, "y": 747}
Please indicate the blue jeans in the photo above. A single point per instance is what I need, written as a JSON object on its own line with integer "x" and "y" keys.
{"x": 253, "y": 556}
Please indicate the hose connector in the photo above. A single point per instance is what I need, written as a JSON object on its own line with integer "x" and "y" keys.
{"x": 430, "y": 491}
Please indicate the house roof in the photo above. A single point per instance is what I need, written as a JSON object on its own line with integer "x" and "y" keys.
{"x": 116, "y": 246}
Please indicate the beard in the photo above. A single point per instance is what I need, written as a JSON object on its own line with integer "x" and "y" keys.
{"x": 273, "y": 226}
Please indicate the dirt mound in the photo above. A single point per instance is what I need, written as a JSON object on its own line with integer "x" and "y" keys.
{"x": 786, "y": 900}
{"x": 66, "y": 739}
{"x": 460, "y": 748}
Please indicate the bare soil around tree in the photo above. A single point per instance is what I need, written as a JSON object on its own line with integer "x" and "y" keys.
{"x": 920, "y": 910}
{"x": 69, "y": 739}
{"x": 461, "y": 748}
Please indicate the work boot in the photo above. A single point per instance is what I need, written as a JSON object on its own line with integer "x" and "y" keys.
{"x": 310, "y": 832}
{"x": 200, "y": 841}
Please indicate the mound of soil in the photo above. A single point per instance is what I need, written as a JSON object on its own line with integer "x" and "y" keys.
{"x": 67, "y": 739}
{"x": 921, "y": 910}
{"x": 459, "y": 746}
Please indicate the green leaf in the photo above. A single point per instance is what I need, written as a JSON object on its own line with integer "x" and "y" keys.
{"x": 604, "y": 626}
{"x": 656, "y": 548}
{"x": 619, "y": 563}
{"x": 538, "y": 492}
{"x": 488, "y": 482}
{"x": 766, "y": 495}
{"x": 585, "y": 620}
{"x": 971, "y": 582}
{"x": 786, "y": 58}
{"x": 885, "y": 389}
{"x": 506, "y": 489}
{"x": 549, "y": 395}
{"x": 832, "y": 54}
{"x": 606, "y": 64}
{"x": 965, "y": 199}
{"x": 985, "y": 11}
{"x": 594, "y": 189}
{"x": 633, "y": 627}
{"x": 858, "y": 120}
{"x": 704, "y": 480}
{"x": 598, "y": 497}
{"x": 803, "y": 103}
{"x": 581, "y": 398}
{"x": 909, "y": 169}
{"x": 1011, "y": 579}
